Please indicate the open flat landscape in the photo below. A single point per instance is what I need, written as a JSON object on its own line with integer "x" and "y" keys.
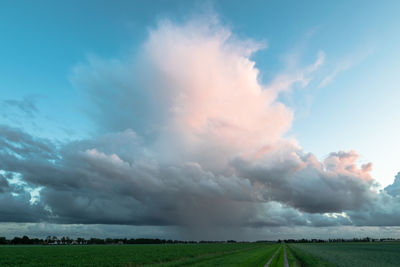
{"x": 236, "y": 254}
{"x": 199, "y": 133}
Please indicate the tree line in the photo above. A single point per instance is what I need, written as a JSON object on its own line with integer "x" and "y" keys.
{"x": 336, "y": 240}
{"x": 53, "y": 240}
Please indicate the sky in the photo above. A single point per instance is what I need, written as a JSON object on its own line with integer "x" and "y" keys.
{"x": 199, "y": 119}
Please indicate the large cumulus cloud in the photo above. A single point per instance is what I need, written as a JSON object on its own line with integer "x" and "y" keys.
{"x": 191, "y": 91}
{"x": 187, "y": 136}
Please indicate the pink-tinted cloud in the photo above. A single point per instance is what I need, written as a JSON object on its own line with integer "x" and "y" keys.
{"x": 209, "y": 88}
{"x": 197, "y": 91}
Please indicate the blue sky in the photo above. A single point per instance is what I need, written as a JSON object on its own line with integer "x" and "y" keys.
{"x": 350, "y": 102}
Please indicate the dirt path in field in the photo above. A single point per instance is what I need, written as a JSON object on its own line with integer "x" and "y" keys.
{"x": 270, "y": 260}
{"x": 285, "y": 262}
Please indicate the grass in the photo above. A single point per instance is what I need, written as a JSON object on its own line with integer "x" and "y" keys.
{"x": 348, "y": 254}
{"x": 305, "y": 258}
{"x": 235, "y": 254}
{"x": 239, "y": 254}
{"x": 253, "y": 257}
{"x": 278, "y": 259}
{"x": 292, "y": 260}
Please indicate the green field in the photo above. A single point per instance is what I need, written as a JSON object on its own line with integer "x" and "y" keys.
{"x": 236, "y": 254}
{"x": 231, "y": 254}
{"x": 348, "y": 254}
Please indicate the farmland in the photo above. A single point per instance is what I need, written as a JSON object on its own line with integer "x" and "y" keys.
{"x": 348, "y": 254}
{"x": 207, "y": 254}
{"x": 239, "y": 254}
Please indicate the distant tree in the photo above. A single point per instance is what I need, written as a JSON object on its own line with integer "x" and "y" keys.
{"x": 3, "y": 240}
{"x": 36, "y": 241}
{"x": 16, "y": 241}
{"x": 95, "y": 241}
{"x": 25, "y": 240}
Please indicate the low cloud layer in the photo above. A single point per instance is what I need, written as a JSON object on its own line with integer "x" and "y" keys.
{"x": 301, "y": 181}
{"x": 188, "y": 136}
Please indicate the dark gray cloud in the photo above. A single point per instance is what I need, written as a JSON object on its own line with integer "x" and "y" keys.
{"x": 114, "y": 179}
{"x": 81, "y": 184}
{"x": 17, "y": 208}
{"x": 15, "y": 142}
{"x": 16, "y": 204}
{"x": 300, "y": 181}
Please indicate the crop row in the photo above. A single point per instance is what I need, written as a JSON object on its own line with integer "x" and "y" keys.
{"x": 347, "y": 254}
{"x": 134, "y": 255}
